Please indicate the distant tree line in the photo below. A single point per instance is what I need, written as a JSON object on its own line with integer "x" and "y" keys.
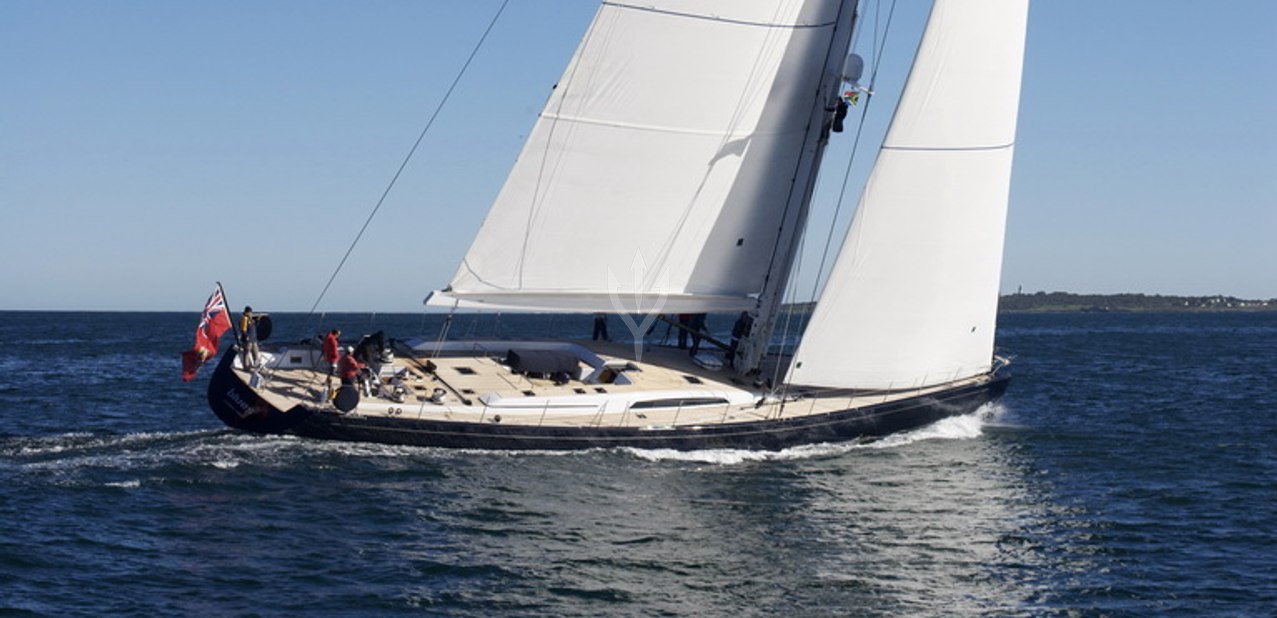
{"x": 1047, "y": 302}
{"x": 1064, "y": 301}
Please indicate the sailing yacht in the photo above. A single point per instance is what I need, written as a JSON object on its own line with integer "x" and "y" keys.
{"x": 671, "y": 172}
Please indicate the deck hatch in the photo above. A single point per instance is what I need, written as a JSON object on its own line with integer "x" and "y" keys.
{"x": 677, "y": 402}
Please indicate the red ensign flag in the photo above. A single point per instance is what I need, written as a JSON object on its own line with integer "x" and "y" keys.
{"x": 213, "y": 323}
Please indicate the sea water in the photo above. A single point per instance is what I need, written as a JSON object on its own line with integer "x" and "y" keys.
{"x": 1130, "y": 470}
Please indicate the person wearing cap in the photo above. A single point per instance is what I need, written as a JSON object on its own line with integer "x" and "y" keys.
{"x": 248, "y": 335}
{"x": 348, "y": 367}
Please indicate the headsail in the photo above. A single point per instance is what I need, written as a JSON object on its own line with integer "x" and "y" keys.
{"x": 672, "y": 141}
{"x": 912, "y": 298}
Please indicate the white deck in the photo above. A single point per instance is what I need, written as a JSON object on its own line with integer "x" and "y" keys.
{"x": 472, "y": 372}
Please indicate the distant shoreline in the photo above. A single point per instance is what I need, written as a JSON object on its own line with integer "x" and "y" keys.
{"x": 1066, "y": 302}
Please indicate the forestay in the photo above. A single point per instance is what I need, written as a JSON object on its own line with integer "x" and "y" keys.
{"x": 657, "y": 175}
{"x": 912, "y": 298}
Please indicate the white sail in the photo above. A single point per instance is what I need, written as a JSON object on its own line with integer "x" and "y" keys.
{"x": 912, "y": 298}
{"x": 661, "y": 169}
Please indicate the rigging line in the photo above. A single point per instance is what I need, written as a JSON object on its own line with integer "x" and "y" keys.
{"x": 855, "y": 33}
{"x": 855, "y": 147}
{"x": 715, "y": 18}
{"x": 873, "y": 51}
{"x": 446, "y": 327}
{"x": 407, "y": 158}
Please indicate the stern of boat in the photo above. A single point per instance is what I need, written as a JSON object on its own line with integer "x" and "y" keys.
{"x": 241, "y": 407}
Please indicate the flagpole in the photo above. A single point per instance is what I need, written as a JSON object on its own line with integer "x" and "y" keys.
{"x": 234, "y": 325}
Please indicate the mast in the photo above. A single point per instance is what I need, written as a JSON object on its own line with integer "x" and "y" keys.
{"x": 752, "y": 347}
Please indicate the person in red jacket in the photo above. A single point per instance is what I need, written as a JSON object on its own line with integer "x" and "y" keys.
{"x": 348, "y": 367}
{"x": 331, "y": 354}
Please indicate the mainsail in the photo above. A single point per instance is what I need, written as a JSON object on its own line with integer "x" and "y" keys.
{"x": 667, "y": 163}
{"x": 912, "y": 297}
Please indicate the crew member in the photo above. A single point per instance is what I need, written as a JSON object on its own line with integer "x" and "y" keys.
{"x": 697, "y": 324}
{"x": 348, "y": 367}
{"x": 741, "y": 329}
{"x": 251, "y": 358}
{"x": 600, "y": 327}
{"x": 684, "y": 321}
{"x": 331, "y": 350}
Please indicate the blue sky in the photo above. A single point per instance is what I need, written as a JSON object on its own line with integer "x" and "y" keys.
{"x": 148, "y": 149}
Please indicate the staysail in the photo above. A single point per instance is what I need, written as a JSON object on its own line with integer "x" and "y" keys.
{"x": 660, "y": 173}
{"x": 912, "y": 298}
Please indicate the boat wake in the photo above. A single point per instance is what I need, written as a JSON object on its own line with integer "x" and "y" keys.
{"x": 82, "y": 442}
{"x": 133, "y": 459}
{"x": 75, "y": 457}
{"x": 965, "y": 427}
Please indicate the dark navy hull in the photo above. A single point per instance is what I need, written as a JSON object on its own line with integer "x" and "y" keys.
{"x": 240, "y": 407}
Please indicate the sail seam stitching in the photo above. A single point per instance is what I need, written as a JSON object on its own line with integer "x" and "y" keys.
{"x": 741, "y": 22}
{"x": 948, "y": 148}
{"x": 665, "y": 129}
